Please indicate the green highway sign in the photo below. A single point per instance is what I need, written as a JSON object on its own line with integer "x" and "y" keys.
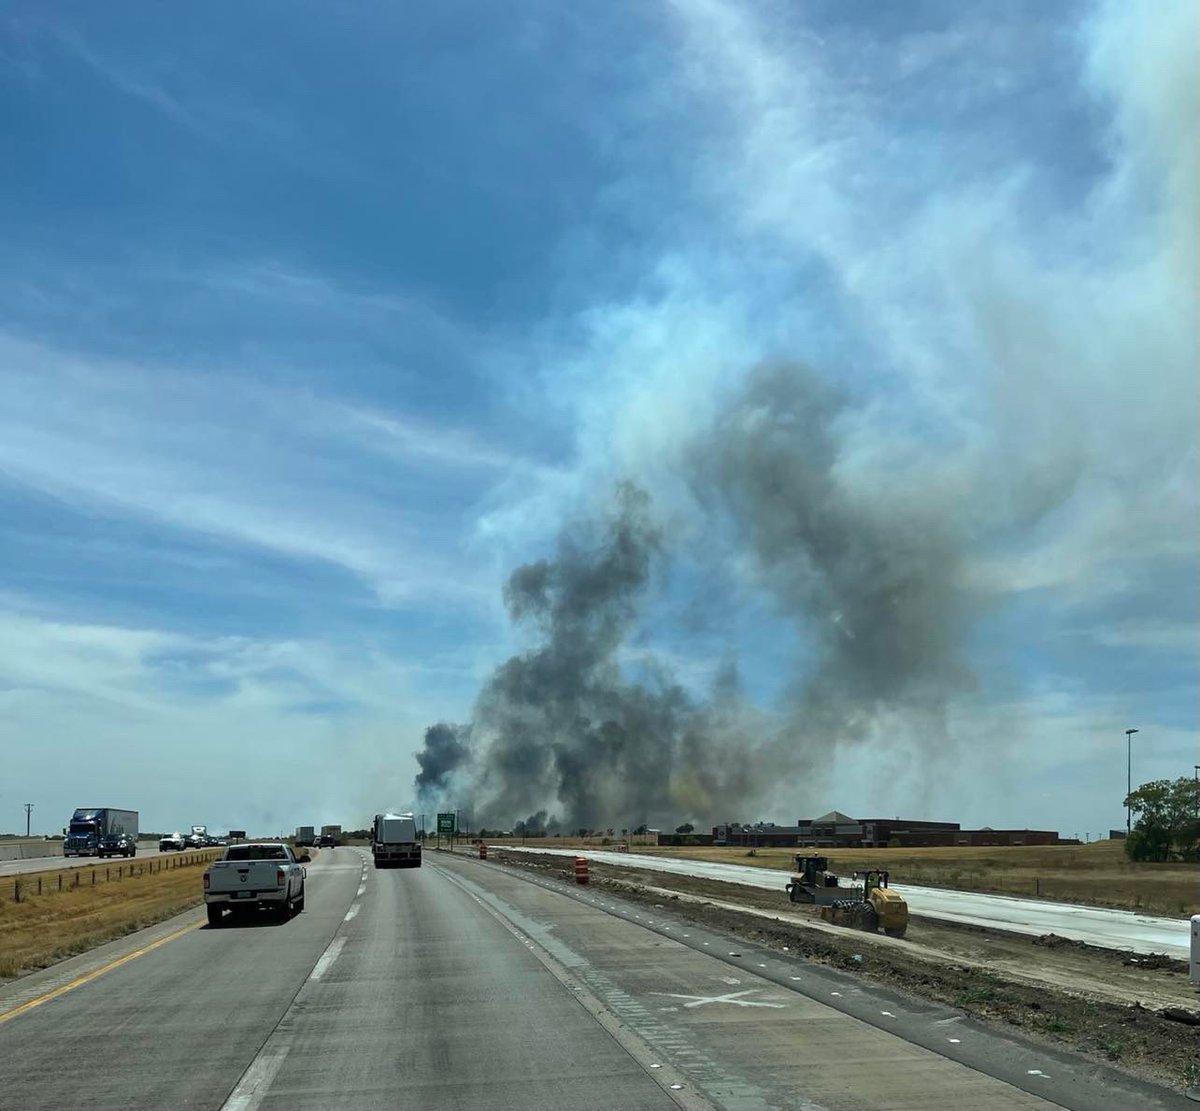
{"x": 446, "y": 823}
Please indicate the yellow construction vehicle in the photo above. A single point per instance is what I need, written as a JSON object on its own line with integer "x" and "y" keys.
{"x": 868, "y": 905}
{"x": 873, "y": 906}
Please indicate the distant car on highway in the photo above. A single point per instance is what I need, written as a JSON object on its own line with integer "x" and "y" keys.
{"x": 171, "y": 842}
{"x": 195, "y": 841}
{"x": 326, "y": 841}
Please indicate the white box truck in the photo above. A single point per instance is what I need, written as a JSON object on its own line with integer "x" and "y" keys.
{"x": 394, "y": 841}
{"x": 305, "y": 835}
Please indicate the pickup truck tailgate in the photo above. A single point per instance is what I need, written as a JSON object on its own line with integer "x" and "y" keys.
{"x": 233, "y": 877}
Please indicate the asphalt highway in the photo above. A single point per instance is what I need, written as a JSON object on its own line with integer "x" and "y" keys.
{"x": 1110, "y": 929}
{"x": 49, "y": 863}
{"x": 465, "y": 984}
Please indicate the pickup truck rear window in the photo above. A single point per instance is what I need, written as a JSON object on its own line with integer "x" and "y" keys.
{"x": 256, "y": 852}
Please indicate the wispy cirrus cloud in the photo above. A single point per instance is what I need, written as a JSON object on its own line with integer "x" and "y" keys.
{"x": 159, "y": 698}
{"x": 224, "y": 456}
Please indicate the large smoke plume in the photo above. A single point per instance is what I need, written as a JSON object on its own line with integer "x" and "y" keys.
{"x": 866, "y": 564}
{"x": 868, "y": 572}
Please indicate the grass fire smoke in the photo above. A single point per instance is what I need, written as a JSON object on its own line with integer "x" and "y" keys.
{"x": 869, "y": 580}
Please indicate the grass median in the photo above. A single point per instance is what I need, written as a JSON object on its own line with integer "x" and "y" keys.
{"x": 41, "y": 923}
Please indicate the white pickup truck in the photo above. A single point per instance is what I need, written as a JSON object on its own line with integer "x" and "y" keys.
{"x": 250, "y": 878}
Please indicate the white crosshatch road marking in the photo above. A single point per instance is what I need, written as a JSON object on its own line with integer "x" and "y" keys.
{"x": 734, "y": 997}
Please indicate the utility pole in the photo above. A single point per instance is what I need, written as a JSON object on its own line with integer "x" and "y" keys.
{"x": 28, "y": 811}
{"x": 1128, "y": 774}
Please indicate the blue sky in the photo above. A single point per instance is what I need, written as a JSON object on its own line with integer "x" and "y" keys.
{"x": 316, "y": 320}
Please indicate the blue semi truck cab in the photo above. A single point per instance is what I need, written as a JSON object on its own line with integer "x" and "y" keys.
{"x": 101, "y": 831}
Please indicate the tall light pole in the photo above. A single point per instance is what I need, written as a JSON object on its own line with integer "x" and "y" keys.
{"x": 1128, "y": 775}
{"x": 28, "y": 811}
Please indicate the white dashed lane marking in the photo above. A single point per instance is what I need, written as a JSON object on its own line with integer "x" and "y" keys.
{"x": 327, "y": 958}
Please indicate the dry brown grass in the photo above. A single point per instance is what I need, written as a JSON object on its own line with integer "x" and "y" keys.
{"x": 42, "y": 929}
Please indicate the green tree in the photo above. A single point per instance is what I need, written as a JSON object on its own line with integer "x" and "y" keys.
{"x": 1183, "y": 813}
{"x": 687, "y": 827}
{"x": 1168, "y": 818}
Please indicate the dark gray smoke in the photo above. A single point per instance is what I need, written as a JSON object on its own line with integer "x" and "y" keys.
{"x": 447, "y": 748}
{"x": 562, "y": 725}
{"x": 866, "y": 569}
{"x": 534, "y": 824}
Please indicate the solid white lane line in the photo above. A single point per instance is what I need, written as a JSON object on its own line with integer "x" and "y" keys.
{"x": 327, "y": 958}
{"x": 255, "y": 1082}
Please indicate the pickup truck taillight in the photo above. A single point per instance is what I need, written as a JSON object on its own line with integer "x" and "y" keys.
{"x": 205, "y": 881}
{"x": 280, "y": 878}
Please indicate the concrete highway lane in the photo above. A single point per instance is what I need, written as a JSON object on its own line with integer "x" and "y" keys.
{"x": 464, "y": 984}
{"x": 750, "y": 1027}
{"x": 175, "y": 1027}
{"x": 433, "y": 1003}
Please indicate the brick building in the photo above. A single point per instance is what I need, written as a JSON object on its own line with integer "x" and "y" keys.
{"x": 838, "y": 830}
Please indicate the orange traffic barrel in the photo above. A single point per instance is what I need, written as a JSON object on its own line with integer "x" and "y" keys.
{"x": 581, "y": 869}
{"x": 482, "y": 851}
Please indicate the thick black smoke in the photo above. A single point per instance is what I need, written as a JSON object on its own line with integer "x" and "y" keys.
{"x": 864, "y": 564}
{"x": 447, "y": 748}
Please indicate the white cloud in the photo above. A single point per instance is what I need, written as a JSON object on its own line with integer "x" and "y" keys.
{"x": 1180, "y": 638}
{"x": 222, "y": 456}
{"x": 236, "y": 730}
{"x": 413, "y": 439}
{"x": 1036, "y": 367}
{"x": 1020, "y": 337}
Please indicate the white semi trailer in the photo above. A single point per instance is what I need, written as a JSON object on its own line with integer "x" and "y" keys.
{"x": 394, "y": 841}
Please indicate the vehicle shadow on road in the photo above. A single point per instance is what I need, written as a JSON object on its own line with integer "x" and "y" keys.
{"x": 257, "y": 922}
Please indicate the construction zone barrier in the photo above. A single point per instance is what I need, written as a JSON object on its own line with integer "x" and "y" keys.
{"x": 581, "y": 869}
{"x": 1195, "y": 952}
{"x": 482, "y": 851}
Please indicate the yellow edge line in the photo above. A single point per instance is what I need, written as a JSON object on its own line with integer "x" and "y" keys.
{"x": 88, "y": 977}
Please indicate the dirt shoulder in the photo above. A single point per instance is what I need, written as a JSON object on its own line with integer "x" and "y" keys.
{"x": 1097, "y": 1002}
